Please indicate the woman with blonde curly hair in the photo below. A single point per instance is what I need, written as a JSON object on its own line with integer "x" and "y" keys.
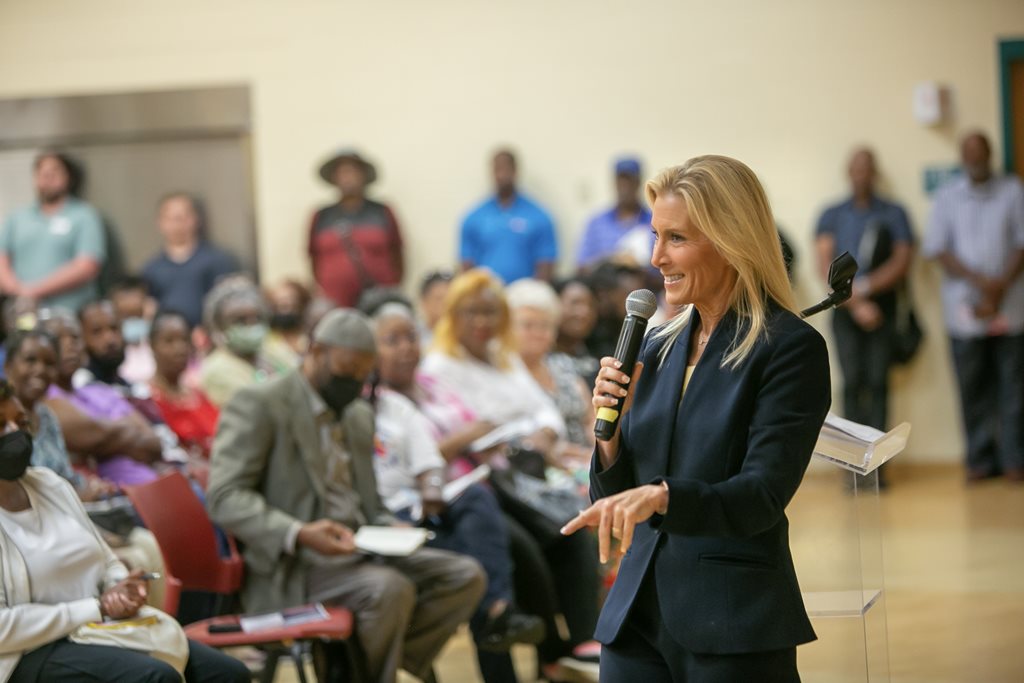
{"x": 474, "y": 355}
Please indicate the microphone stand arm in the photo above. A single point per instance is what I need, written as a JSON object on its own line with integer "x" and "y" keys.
{"x": 840, "y": 278}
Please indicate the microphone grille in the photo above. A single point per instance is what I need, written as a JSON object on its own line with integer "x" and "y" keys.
{"x": 641, "y": 303}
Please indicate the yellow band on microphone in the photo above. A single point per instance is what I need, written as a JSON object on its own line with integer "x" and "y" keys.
{"x": 607, "y": 414}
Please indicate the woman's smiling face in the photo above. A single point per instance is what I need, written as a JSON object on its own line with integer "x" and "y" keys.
{"x": 694, "y": 271}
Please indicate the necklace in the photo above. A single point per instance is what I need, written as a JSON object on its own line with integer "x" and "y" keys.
{"x": 703, "y": 341}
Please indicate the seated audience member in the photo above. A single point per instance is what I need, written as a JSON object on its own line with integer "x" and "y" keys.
{"x": 410, "y": 474}
{"x": 186, "y": 410}
{"x": 535, "y": 316}
{"x": 474, "y": 356}
{"x": 187, "y": 267}
{"x": 474, "y": 362}
{"x": 292, "y": 478}
{"x": 97, "y": 421}
{"x": 611, "y": 283}
{"x": 288, "y": 301}
{"x": 67, "y": 576}
{"x": 105, "y": 351}
{"x": 134, "y": 309}
{"x": 623, "y": 229}
{"x": 104, "y": 346}
{"x": 19, "y": 314}
{"x": 31, "y": 365}
{"x": 432, "y": 293}
{"x": 316, "y": 310}
{"x": 236, "y": 316}
{"x": 579, "y": 315}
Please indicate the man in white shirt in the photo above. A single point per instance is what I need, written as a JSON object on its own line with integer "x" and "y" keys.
{"x": 976, "y": 233}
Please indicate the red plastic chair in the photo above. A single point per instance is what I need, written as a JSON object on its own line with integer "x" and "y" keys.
{"x": 188, "y": 543}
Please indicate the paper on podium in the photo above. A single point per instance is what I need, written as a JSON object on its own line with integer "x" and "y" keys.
{"x": 858, "y": 447}
{"x": 391, "y": 541}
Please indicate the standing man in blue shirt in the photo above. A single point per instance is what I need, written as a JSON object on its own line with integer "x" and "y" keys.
{"x": 509, "y": 233}
{"x": 623, "y": 229}
{"x": 877, "y": 233}
{"x": 51, "y": 252}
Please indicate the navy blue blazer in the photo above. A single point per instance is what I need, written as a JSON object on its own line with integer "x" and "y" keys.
{"x": 733, "y": 452}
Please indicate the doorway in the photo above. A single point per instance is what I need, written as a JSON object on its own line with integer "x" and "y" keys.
{"x": 1011, "y": 69}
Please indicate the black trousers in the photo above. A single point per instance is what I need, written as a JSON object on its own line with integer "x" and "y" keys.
{"x": 63, "y": 660}
{"x": 559, "y": 578}
{"x": 990, "y": 372}
{"x": 865, "y": 358}
{"x": 645, "y": 651}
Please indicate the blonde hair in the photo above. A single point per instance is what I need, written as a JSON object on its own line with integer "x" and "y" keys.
{"x": 468, "y": 284}
{"x": 726, "y": 203}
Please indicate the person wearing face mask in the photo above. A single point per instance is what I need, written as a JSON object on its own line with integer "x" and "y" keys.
{"x": 59, "y": 574}
{"x": 292, "y": 477}
{"x": 237, "y": 317}
{"x": 288, "y": 301}
{"x": 134, "y": 309}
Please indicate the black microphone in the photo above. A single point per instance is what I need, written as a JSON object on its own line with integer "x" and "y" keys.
{"x": 640, "y": 305}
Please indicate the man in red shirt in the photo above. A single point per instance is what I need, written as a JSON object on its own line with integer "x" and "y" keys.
{"x": 354, "y": 244}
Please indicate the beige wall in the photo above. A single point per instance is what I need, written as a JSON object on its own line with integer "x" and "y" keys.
{"x": 428, "y": 88}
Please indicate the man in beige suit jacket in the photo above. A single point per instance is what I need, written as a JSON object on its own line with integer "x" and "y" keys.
{"x": 292, "y": 480}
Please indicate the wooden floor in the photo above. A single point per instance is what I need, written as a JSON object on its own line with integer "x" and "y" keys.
{"x": 954, "y": 582}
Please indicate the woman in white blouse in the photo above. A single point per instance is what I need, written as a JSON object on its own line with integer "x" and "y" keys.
{"x": 474, "y": 359}
{"x": 57, "y": 574}
{"x": 474, "y": 356}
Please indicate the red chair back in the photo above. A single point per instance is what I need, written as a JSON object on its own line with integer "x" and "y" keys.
{"x": 171, "y": 511}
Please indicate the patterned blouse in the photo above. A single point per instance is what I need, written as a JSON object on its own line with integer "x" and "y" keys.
{"x": 567, "y": 397}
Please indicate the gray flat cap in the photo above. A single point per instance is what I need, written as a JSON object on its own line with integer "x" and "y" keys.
{"x": 346, "y": 328}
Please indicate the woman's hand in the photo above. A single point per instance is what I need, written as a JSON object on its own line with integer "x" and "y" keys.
{"x": 123, "y": 600}
{"x": 617, "y": 516}
{"x": 609, "y": 388}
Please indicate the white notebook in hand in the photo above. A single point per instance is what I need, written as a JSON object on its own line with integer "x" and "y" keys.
{"x": 391, "y": 541}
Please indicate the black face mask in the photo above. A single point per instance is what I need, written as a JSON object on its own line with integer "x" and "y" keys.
{"x": 15, "y": 454}
{"x": 339, "y": 391}
{"x": 285, "y": 321}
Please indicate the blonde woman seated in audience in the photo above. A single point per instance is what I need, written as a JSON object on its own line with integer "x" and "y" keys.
{"x": 59, "y": 574}
{"x": 474, "y": 357}
{"x": 31, "y": 365}
{"x": 237, "y": 318}
{"x": 474, "y": 378}
{"x": 535, "y": 317}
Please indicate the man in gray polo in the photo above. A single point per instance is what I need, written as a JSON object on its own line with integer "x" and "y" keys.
{"x": 291, "y": 476}
{"x": 51, "y": 252}
{"x": 976, "y": 233}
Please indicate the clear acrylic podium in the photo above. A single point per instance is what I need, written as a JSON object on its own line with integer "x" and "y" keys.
{"x": 836, "y": 539}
